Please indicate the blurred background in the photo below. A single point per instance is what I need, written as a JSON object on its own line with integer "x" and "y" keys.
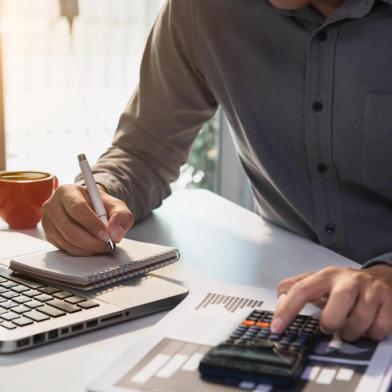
{"x": 68, "y": 69}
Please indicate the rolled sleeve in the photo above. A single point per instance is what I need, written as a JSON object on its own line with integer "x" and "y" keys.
{"x": 386, "y": 258}
{"x": 163, "y": 117}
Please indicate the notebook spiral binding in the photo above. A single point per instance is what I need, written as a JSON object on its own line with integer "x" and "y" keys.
{"x": 116, "y": 274}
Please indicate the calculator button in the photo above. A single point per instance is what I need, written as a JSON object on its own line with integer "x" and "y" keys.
{"x": 263, "y": 324}
{"x": 248, "y": 323}
{"x": 262, "y": 343}
{"x": 275, "y": 336}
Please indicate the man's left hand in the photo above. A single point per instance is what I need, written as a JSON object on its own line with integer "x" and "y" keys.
{"x": 355, "y": 302}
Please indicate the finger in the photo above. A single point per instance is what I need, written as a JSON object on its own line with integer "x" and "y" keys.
{"x": 382, "y": 326}
{"x": 341, "y": 301}
{"x": 120, "y": 218}
{"x": 307, "y": 290}
{"x": 320, "y": 303}
{"x": 75, "y": 234}
{"x": 363, "y": 314}
{"x": 60, "y": 242}
{"x": 78, "y": 206}
{"x": 286, "y": 284}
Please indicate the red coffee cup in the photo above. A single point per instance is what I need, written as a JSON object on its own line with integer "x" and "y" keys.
{"x": 22, "y": 194}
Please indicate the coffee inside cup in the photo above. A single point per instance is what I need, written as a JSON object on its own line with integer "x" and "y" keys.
{"x": 23, "y": 176}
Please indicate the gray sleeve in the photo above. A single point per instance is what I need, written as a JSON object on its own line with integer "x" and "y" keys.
{"x": 386, "y": 258}
{"x": 162, "y": 118}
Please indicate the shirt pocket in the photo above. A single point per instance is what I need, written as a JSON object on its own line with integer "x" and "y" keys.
{"x": 376, "y": 143}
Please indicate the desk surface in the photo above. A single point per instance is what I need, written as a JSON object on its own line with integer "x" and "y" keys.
{"x": 218, "y": 240}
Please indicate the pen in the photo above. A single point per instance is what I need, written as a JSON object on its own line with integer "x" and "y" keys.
{"x": 95, "y": 198}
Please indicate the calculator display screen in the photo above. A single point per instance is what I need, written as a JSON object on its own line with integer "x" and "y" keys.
{"x": 266, "y": 355}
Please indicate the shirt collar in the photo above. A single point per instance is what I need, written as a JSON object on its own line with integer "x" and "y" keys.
{"x": 352, "y": 9}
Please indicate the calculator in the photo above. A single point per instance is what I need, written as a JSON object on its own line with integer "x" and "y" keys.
{"x": 252, "y": 353}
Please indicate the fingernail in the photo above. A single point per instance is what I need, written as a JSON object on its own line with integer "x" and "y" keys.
{"x": 103, "y": 236}
{"x": 117, "y": 233}
{"x": 277, "y": 325}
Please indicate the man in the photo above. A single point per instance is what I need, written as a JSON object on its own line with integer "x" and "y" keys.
{"x": 307, "y": 88}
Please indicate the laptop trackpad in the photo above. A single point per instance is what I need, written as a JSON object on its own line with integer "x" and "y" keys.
{"x": 140, "y": 291}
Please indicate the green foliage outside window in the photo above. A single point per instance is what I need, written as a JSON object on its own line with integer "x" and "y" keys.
{"x": 201, "y": 170}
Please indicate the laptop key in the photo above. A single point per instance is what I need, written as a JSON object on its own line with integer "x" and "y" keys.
{"x": 2, "y": 310}
{"x": 51, "y": 311}
{"x": 22, "y": 321}
{"x": 74, "y": 299}
{"x": 8, "y": 284}
{"x": 43, "y": 297}
{"x": 20, "y": 288}
{"x": 22, "y": 299}
{"x": 20, "y": 280}
{"x": 69, "y": 308}
{"x": 21, "y": 309}
{"x": 31, "y": 293}
{"x": 2, "y": 280}
{"x": 88, "y": 304}
{"x": 36, "y": 316}
{"x": 10, "y": 316}
{"x": 9, "y": 294}
{"x": 33, "y": 304}
{"x": 49, "y": 290}
{"x": 62, "y": 295}
{"x": 9, "y": 304}
{"x": 8, "y": 325}
{"x": 3, "y": 289}
{"x": 2, "y": 299}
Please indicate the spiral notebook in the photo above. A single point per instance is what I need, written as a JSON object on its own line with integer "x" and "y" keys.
{"x": 132, "y": 258}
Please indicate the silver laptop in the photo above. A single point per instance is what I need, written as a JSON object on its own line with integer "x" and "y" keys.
{"x": 34, "y": 313}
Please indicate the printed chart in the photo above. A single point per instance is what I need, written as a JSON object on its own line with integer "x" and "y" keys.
{"x": 172, "y": 365}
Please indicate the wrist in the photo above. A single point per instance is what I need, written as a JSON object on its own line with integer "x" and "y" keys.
{"x": 381, "y": 270}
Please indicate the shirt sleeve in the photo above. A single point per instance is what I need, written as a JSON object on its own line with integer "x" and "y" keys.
{"x": 162, "y": 118}
{"x": 386, "y": 258}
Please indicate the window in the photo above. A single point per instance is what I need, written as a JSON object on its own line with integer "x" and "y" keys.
{"x": 69, "y": 68}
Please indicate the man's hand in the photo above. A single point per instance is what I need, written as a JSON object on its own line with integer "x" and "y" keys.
{"x": 71, "y": 224}
{"x": 355, "y": 302}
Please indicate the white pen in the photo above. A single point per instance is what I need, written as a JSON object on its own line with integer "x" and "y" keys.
{"x": 95, "y": 198}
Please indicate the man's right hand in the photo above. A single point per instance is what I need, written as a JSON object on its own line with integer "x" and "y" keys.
{"x": 71, "y": 224}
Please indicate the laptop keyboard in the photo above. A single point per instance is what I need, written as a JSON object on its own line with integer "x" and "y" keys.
{"x": 24, "y": 302}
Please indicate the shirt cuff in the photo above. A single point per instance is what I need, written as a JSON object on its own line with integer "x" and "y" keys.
{"x": 112, "y": 186}
{"x": 386, "y": 258}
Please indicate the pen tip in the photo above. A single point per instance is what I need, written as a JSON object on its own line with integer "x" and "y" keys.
{"x": 112, "y": 246}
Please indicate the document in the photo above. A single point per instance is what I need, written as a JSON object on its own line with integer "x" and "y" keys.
{"x": 167, "y": 358}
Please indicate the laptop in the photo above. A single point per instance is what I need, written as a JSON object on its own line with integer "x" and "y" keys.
{"x": 33, "y": 313}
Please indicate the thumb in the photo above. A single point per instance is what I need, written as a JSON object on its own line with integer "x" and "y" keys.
{"x": 120, "y": 217}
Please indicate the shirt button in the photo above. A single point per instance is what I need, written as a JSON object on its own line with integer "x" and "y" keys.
{"x": 321, "y": 36}
{"x": 330, "y": 228}
{"x": 322, "y": 168}
{"x": 317, "y": 106}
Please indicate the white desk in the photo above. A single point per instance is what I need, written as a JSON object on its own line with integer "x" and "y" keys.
{"x": 218, "y": 240}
